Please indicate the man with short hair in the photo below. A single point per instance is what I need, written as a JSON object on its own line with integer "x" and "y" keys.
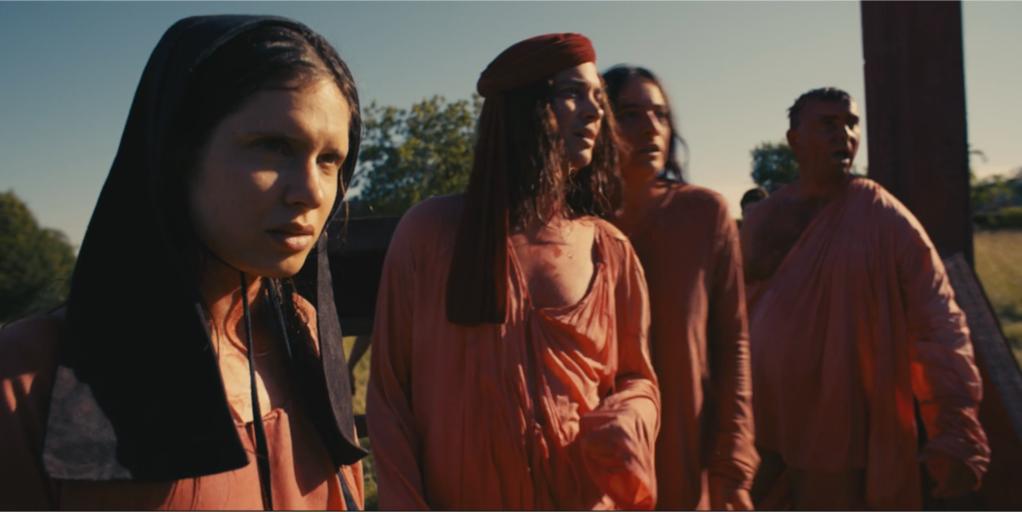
{"x": 852, "y": 319}
{"x": 510, "y": 367}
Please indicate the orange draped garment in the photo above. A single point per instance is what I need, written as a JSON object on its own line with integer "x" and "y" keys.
{"x": 303, "y": 475}
{"x": 557, "y": 408}
{"x": 859, "y": 319}
{"x": 688, "y": 246}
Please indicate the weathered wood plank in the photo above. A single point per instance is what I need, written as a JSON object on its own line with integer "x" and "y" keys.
{"x": 1001, "y": 409}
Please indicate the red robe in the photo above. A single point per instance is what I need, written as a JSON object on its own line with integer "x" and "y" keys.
{"x": 688, "y": 245}
{"x": 556, "y": 408}
{"x": 304, "y": 477}
{"x": 859, "y": 319}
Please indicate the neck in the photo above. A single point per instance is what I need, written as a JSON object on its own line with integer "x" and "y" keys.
{"x": 822, "y": 185}
{"x": 638, "y": 186}
{"x": 220, "y": 288}
{"x": 537, "y": 229}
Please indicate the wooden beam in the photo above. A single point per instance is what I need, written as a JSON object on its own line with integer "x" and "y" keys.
{"x": 915, "y": 114}
{"x": 356, "y": 262}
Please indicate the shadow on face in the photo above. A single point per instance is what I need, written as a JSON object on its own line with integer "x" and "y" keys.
{"x": 578, "y": 96}
{"x": 644, "y": 123}
{"x": 268, "y": 178}
{"x": 826, "y": 139}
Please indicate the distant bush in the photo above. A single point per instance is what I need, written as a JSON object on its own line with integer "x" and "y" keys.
{"x": 35, "y": 262}
{"x": 1009, "y": 217}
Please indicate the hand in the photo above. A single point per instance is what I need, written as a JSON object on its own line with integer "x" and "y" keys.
{"x": 726, "y": 495}
{"x": 952, "y": 477}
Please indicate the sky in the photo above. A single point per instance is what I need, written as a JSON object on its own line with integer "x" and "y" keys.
{"x": 68, "y": 72}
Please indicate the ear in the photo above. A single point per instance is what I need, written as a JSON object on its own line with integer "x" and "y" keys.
{"x": 792, "y": 137}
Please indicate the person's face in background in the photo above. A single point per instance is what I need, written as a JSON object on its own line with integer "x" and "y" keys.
{"x": 578, "y": 96}
{"x": 643, "y": 122}
{"x": 826, "y": 139}
{"x": 269, "y": 176}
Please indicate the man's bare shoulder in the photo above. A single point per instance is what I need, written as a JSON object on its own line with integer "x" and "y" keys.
{"x": 758, "y": 215}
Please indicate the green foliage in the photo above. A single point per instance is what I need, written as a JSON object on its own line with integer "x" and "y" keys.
{"x": 412, "y": 154}
{"x": 997, "y": 265}
{"x": 997, "y": 200}
{"x": 1009, "y": 217}
{"x": 992, "y": 192}
{"x": 773, "y": 165}
{"x": 35, "y": 263}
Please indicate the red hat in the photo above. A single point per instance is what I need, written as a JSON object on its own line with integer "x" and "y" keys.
{"x": 477, "y": 280}
{"x": 534, "y": 59}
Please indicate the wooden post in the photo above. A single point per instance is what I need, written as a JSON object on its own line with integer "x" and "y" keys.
{"x": 918, "y": 150}
{"x": 915, "y": 107}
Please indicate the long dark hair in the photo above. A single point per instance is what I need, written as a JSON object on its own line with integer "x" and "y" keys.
{"x": 538, "y": 186}
{"x": 146, "y": 352}
{"x": 616, "y": 79}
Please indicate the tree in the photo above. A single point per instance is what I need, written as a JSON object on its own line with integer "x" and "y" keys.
{"x": 773, "y": 165}
{"x": 412, "y": 154}
{"x": 35, "y": 264}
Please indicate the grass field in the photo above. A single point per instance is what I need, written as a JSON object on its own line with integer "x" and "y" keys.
{"x": 998, "y": 257}
{"x": 359, "y": 406}
{"x": 999, "y": 265}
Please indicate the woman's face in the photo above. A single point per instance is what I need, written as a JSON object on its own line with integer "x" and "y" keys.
{"x": 642, "y": 117}
{"x": 577, "y": 98}
{"x": 268, "y": 178}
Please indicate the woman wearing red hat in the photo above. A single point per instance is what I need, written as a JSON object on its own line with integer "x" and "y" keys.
{"x": 510, "y": 367}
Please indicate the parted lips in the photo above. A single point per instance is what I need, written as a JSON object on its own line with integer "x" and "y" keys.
{"x": 534, "y": 59}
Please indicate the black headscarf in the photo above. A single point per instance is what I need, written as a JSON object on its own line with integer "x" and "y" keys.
{"x": 138, "y": 393}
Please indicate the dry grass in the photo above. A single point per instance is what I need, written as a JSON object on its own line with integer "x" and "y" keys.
{"x": 998, "y": 257}
{"x": 359, "y": 407}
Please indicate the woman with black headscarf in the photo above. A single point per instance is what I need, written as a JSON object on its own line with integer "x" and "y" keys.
{"x": 197, "y": 362}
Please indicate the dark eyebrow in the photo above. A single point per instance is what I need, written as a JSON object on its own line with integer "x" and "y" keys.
{"x": 296, "y": 141}
{"x": 574, "y": 81}
{"x": 255, "y": 134}
{"x": 642, "y": 105}
{"x": 259, "y": 134}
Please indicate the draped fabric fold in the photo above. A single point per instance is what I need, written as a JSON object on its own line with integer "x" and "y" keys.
{"x": 878, "y": 327}
{"x": 557, "y": 408}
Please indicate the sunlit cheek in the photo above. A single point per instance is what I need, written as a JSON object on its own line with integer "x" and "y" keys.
{"x": 264, "y": 180}
{"x": 331, "y": 191}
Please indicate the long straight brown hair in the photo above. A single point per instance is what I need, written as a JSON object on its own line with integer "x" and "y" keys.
{"x": 520, "y": 176}
{"x": 539, "y": 185}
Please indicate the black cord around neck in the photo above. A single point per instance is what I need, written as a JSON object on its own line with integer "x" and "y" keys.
{"x": 262, "y": 450}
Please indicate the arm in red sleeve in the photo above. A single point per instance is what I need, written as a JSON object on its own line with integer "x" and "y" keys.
{"x": 945, "y": 379}
{"x": 618, "y": 437}
{"x": 733, "y": 454}
{"x": 395, "y": 442}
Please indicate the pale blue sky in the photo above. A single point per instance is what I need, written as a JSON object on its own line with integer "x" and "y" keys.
{"x": 68, "y": 72}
